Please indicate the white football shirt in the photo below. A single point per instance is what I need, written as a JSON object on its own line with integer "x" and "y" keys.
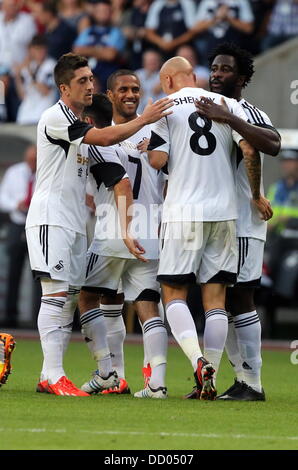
{"x": 60, "y": 191}
{"x": 107, "y": 234}
{"x": 249, "y": 223}
{"x": 157, "y": 178}
{"x": 201, "y": 184}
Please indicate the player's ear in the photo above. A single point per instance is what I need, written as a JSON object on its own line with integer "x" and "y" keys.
{"x": 110, "y": 95}
{"x": 241, "y": 80}
{"x": 169, "y": 81}
{"x": 64, "y": 89}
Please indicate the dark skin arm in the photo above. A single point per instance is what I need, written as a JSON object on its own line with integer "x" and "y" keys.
{"x": 252, "y": 162}
{"x": 263, "y": 139}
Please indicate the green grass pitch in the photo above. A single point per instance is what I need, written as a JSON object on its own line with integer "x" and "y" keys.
{"x": 34, "y": 421}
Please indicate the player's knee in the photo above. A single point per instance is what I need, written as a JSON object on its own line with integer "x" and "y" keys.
{"x": 241, "y": 300}
{"x": 148, "y": 295}
{"x": 213, "y": 296}
{"x": 116, "y": 299}
{"x": 53, "y": 287}
{"x": 88, "y": 299}
{"x": 73, "y": 297}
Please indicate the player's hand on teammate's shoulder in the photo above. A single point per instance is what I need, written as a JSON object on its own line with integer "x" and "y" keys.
{"x": 264, "y": 207}
{"x": 135, "y": 248}
{"x": 155, "y": 111}
{"x": 143, "y": 145}
{"x": 208, "y": 108}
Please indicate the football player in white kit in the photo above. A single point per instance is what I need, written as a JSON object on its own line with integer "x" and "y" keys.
{"x": 56, "y": 221}
{"x": 124, "y": 92}
{"x": 231, "y": 70}
{"x": 198, "y": 219}
{"x": 109, "y": 261}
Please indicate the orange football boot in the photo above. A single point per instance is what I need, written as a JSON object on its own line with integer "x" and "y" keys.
{"x": 122, "y": 389}
{"x": 42, "y": 386}
{"x": 7, "y": 345}
{"x": 65, "y": 387}
{"x": 146, "y": 374}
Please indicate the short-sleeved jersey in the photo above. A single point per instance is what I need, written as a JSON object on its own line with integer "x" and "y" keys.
{"x": 60, "y": 191}
{"x": 107, "y": 234}
{"x": 249, "y": 223}
{"x": 156, "y": 178}
{"x": 201, "y": 184}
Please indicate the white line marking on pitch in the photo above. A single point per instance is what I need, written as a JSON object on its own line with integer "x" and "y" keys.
{"x": 164, "y": 434}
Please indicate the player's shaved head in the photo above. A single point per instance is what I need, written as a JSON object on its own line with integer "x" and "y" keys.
{"x": 175, "y": 65}
{"x": 176, "y": 73}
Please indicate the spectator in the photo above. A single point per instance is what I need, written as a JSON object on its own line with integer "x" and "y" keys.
{"x": 282, "y": 238}
{"x": 74, "y": 14}
{"x": 283, "y": 194}
{"x": 283, "y": 23}
{"x": 16, "y": 31}
{"x": 135, "y": 32}
{"x": 59, "y": 35}
{"x": 149, "y": 77}
{"x": 202, "y": 73}
{"x": 35, "y": 82}
{"x": 15, "y": 195}
{"x": 120, "y": 13}
{"x": 101, "y": 42}
{"x": 219, "y": 21}
{"x": 29, "y": 6}
{"x": 261, "y": 11}
{"x": 167, "y": 22}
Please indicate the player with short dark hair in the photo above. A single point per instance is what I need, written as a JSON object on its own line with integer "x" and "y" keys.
{"x": 124, "y": 92}
{"x": 56, "y": 221}
{"x": 109, "y": 262}
{"x": 231, "y": 69}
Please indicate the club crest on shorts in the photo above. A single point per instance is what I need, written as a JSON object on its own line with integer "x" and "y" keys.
{"x": 59, "y": 267}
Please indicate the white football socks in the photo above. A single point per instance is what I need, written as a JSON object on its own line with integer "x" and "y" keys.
{"x": 184, "y": 330}
{"x": 232, "y": 350}
{"x": 215, "y": 335}
{"x": 68, "y": 314}
{"x": 94, "y": 329}
{"x": 49, "y": 324}
{"x": 116, "y": 335}
{"x": 248, "y": 333}
{"x": 156, "y": 342}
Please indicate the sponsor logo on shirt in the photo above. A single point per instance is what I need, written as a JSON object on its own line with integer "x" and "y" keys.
{"x": 82, "y": 160}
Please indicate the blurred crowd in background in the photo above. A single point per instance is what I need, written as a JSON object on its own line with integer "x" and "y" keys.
{"x": 134, "y": 34}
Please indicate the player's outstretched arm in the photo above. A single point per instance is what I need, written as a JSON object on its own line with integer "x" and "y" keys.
{"x": 263, "y": 139}
{"x": 252, "y": 162}
{"x": 124, "y": 201}
{"x": 115, "y": 134}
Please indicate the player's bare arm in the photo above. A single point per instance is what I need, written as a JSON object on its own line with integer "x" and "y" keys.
{"x": 157, "y": 159}
{"x": 113, "y": 134}
{"x": 124, "y": 201}
{"x": 263, "y": 139}
{"x": 252, "y": 162}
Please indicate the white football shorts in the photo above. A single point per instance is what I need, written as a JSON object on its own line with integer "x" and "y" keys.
{"x": 106, "y": 274}
{"x": 250, "y": 261}
{"x": 198, "y": 252}
{"x": 57, "y": 253}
